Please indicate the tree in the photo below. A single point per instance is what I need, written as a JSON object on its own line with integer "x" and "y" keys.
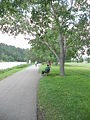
{"x": 70, "y": 26}
{"x": 13, "y": 7}
{"x": 63, "y": 17}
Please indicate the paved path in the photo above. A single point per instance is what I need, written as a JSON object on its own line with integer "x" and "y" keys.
{"x": 18, "y": 95}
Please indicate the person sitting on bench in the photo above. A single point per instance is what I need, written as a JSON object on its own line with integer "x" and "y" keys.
{"x": 47, "y": 70}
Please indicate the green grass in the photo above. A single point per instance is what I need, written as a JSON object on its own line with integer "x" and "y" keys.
{"x": 10, "y": 71}
{"x": 68, "y": 97}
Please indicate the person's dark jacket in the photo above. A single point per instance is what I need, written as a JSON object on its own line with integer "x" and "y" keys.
{"x": 47, "y": 69}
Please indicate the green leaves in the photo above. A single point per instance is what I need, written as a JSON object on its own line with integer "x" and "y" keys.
{"x": 47, "y": 18}
{"x": 13, "y": 6}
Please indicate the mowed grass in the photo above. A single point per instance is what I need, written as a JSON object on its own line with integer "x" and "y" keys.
{"x": 68, "y": 97}
{"x": 10, "y": 71}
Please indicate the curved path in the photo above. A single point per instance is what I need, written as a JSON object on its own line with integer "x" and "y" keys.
{"x": 18, "y": 95}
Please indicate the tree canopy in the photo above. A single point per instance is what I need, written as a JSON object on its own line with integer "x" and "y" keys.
{"x": 56, "y": 25}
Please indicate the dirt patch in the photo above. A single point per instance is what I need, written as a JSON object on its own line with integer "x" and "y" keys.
{"x": 40, "y": 114}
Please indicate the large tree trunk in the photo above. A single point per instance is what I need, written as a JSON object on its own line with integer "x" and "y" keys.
{"x": 61, "y": 55}
{"x": 64, "y": 48}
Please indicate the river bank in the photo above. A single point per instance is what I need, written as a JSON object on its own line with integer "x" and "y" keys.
{"x": 5, "y": 65}
{"x": 9, "y": 71}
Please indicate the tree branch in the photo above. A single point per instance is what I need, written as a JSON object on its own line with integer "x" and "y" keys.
{"x": 51, "y": 49}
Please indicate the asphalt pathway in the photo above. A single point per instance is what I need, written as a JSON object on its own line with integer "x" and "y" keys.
{"x": 18, "y": 95}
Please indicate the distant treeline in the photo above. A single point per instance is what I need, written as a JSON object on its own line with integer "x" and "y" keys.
{"x": 11, "y": 53}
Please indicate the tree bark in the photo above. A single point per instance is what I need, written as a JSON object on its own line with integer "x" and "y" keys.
{"x": 64, "y": 48}
{"x": 61, "y": 55}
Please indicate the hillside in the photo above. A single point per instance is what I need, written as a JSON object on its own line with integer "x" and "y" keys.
{"x": 11, "y": 53}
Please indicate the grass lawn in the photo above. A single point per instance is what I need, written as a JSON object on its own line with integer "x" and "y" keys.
{"x": 10, "y": 71}
{"x": 68, "y": 97}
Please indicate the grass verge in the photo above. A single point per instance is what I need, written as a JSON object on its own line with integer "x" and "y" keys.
{"x": 68, "y": 97}
{"x": 10, "y": 71}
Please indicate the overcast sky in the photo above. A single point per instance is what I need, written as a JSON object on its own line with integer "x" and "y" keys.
{"x": 19, "y": 41}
